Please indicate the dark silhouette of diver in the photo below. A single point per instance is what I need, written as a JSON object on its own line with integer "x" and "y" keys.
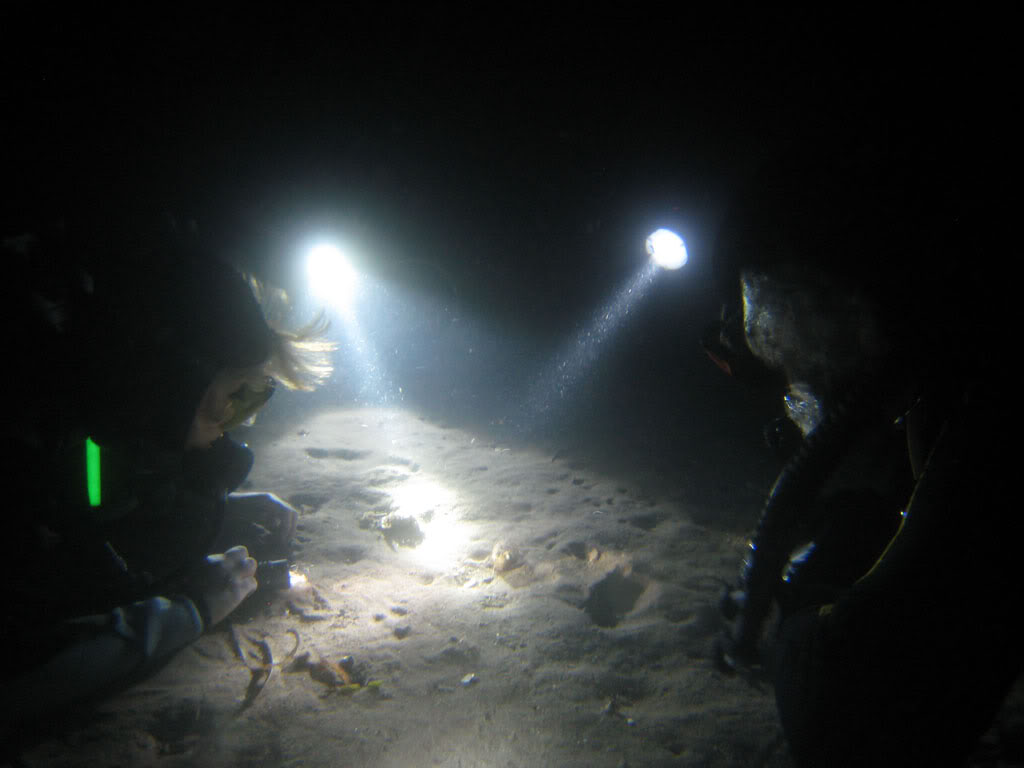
{"x": 879, "y": 589}
{"x": 136, "y": 365}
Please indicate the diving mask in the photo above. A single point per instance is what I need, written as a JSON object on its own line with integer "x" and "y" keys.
{"x": 246, "y": 401}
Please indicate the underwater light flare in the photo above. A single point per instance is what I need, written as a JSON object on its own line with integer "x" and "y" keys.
{"x": 432, "y": 505}
{"x": 331, "y": 277}
{"x": 558, "y": 382}
{"x": 667, "y": 249}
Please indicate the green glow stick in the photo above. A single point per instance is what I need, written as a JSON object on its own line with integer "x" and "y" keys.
{"x": 92, "y": 471}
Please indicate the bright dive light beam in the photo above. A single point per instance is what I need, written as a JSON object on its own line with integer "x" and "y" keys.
{"x": 561, "y": 378}
{"x": 433, "y": 506}
{"x": 667, "y": 249}
{"x": 331, "y": 277}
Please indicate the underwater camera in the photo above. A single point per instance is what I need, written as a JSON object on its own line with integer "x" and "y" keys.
{"x": 273, "y": 575}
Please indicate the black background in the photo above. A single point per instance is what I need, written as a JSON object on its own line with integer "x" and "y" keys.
{"x": 506, "y": 164}
{"x": 513, "y": 149}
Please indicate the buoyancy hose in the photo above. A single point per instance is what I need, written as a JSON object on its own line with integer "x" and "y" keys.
{"x": 784, "y": 517}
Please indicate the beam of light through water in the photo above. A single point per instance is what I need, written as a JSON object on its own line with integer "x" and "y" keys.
{"x": 333, "y": 281}
{"x": 374, "y": 386}
{"x": 361, "y": 363}
{"x": 562, "y": 377}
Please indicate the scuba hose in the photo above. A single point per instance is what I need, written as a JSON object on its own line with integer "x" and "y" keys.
{"x": 783, "y": 521}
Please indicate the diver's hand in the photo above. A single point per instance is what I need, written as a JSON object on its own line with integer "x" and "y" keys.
{"x": 267, "y": 510}
{"x": 735, "y": 655}
{"x": 735, "y": 649}
{"x": 234, "y": 574}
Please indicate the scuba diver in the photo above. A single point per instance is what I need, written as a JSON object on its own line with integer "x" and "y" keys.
{"x": 126, "y": 536}
{"x": 878, "y": 591}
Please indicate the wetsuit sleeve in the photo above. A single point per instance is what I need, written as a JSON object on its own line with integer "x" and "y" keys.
{"x": 909, "y": 666}
{"x": 104, "y": 653}
{"x": 958, "y": 541}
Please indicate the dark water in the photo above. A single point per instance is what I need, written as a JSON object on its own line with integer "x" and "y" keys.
{"x": 494, "y": 200}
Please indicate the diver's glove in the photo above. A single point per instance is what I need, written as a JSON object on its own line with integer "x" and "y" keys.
{"x": 219, "y": 583}
{"x": 263, "y": 522}
{"x": 729, "y": 655}
{"x": 744, "y": 609}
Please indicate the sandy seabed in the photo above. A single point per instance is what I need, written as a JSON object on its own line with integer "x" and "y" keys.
{"x": 467, "y": 603}
{"x": 499, "y": 607}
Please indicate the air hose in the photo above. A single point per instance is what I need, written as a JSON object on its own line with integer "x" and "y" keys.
{"x": 782, "y": 522}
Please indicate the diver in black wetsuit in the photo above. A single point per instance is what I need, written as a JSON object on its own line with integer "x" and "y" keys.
{"x": 880, "y": 602}
{"x": 148, "y": 362}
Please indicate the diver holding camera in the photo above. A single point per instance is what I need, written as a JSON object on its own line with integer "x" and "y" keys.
{"x": 132, "y": 538}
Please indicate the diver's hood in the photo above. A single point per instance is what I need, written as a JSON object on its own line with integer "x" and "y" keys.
{"x": 819, "y": 334}
{"x": 846, "y": 247}
{"x": 157, "y": 334}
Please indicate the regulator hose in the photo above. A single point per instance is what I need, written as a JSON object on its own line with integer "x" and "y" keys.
{"x": 781, "y": 523}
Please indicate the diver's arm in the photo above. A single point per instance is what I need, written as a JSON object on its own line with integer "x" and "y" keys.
{"x": 958, "y": 540}
{"x": 788, "y": 510}
{"x": 106, "y": 652}
{"x": 266, "y": 510}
